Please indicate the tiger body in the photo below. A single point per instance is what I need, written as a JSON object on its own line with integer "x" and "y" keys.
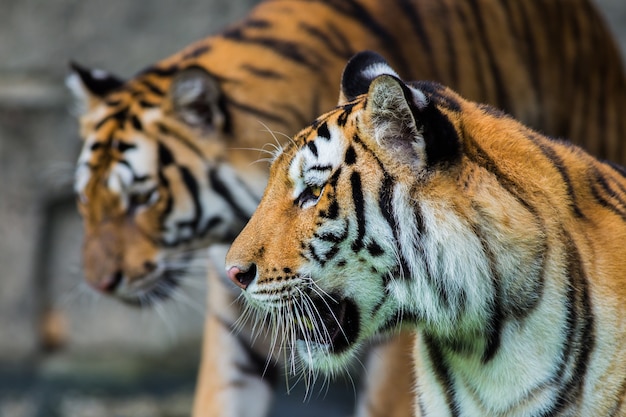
{"x": 166, "y": 171}
{"x": 410, "y": 206}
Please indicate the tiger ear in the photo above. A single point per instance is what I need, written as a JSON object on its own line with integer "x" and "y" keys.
{"x": 409, "y": 124}
{"x": 392, "y": 112}
{"x": 359, "y": 73}
{"x": 90, "y": 86}
{"x": 196, "y": 98}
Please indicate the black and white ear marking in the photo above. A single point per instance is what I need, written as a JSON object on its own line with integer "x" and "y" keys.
{"x": 195, "y": 97}
{"x": 393, "y": 122}
{"x": 359, "y": 73}
{"x": 90, "y": 85}
{"x": 405, "y": 123}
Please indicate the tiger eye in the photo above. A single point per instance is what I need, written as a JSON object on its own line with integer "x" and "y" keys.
{"x": 316, "y": 191}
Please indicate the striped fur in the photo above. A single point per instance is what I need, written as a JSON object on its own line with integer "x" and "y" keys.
{"x": 411, "y": 207}
{"x": 165, "y": 172}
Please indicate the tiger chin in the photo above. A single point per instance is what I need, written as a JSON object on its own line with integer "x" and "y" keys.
{"x": 408, "y": 205}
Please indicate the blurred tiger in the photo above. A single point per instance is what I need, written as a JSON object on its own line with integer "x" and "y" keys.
{"x": 411, "y": 207}
{"x": 164, "y": 169}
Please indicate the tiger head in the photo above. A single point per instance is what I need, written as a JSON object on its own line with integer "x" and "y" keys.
{"x": 312, "y": 257}
{"x": 324, "y": 257}
{"x": 154, "y": 182}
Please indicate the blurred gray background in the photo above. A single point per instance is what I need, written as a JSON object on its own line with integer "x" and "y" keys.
{"x": 64, "y": 351}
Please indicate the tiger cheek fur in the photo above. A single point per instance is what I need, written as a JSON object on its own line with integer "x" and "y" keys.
{"x": 300, "y": 247}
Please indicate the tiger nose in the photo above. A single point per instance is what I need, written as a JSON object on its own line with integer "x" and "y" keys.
{"x": 242, "y": 277}
{"x": 109, "y": 283}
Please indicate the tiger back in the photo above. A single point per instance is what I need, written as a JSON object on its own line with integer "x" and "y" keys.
{"x": 166, "y": 150}
{"x": 409, "y": 206}
{"x": 165, "y": 169}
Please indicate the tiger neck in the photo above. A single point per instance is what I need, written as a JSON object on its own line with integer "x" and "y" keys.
{"x": 473, "y": 293}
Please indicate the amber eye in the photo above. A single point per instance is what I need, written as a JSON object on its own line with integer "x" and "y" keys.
{"x": 136, "y": 200}
{"x": 309, "y": 196}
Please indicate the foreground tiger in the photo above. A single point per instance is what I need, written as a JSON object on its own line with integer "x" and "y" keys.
{"x": 163, "y": 170}
{"x": 410, "y": 206}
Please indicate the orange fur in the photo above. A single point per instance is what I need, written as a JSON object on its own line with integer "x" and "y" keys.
{"x": 545, "y": 62}
{"x": 495, "y": 243}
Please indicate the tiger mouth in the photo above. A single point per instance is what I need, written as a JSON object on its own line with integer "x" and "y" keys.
{"x": 333, "y": 323}
{"x": 158, "y": 290}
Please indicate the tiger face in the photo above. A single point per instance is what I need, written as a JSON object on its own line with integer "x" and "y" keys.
{"x": 318, "y": 257}
{"x": 411, "y": 206}
{"x": 154, "y": 183}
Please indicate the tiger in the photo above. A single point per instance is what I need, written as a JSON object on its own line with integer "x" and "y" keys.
{"x": 411, "y": 207}
{"x": 165, "y": 169}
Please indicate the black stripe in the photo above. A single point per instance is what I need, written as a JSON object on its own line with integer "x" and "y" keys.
{"x": 265, "y": 116}
{"x": 197, "y": 52}
{"x": 605, "y": 183}
{"x": 323, "y": 132}
{"x": 350, "y": 157}
{"x": 113, "y": 103}
{"x": 222, "y": 189}
{"x": 600, "y": 181}
{"x": 475, "y": 52}
{"x": 444, "y": 15}
{"x": 180, "y": 139}
{"x": 503, "y": 100}
{"x": 528, "y": 44}
{"x": 359, "y": 208}
{"x": 343, "y": 117}
{"x": 342, "y": 41}
{"x": 440, "y": 136}
{"x": 119, "y": 115}
{"x": 496, "y": 316}
{"x": 314, "y": 256}
{"x": 441, "y": 372}
{"x": 557, "y": 162}
{"x": 158, "y": 71}
{"x": 147, "y": 104}
{"x": 312, "y": 147}
{"x": 332, "y": 212}
{"x": 374, "y": 249}
{"x": 580, "y": 337}
{"x": 332, "y": 237}
{"x": 165, "y": 156}
{"x": 138, "y": 178}
{"x": 192, "y": 186}
{"x": 169, "y": 203}
{"x": 439, "y": 287}
{"x": 97, "y": 145}
{"x": 153, "y": 88}
{"x": 211, "y": 223}
{"x": 481, "y": 158}
{"x": 134, "y": 120}
{"x": 409, "y": 9}
{"x": 320, "y": 168}
{"x": 385, "y": 204}
{"x": 123, "y": 146}
{"x": 342, "y": 50}
{"x": 618, "y": 168}
{"x": 266, "y": 73}
{"x": 288, "y": 50}
{"x": 257, "y": 23}
{"x": 352, "y": 9}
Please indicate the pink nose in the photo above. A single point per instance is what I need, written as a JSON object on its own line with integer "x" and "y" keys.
{"x": 242, "y": 278}
{"x": 109, "y": 283}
